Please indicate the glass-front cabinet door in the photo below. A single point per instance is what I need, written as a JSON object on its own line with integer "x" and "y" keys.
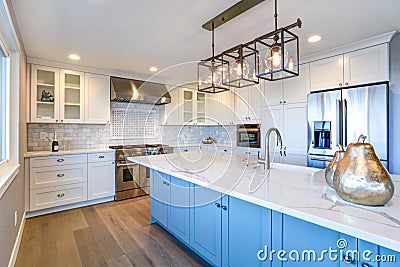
{"x": 44, "y": 94}
{"x": 194, "y": 107}
{"x": 72, "y": 97}
{"x": 188, "y": 106}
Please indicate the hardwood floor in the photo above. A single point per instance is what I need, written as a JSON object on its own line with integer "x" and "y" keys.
{"x": 109, "y": 234}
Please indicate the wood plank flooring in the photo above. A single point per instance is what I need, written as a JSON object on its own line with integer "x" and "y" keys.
{"x": 109, "y": 234}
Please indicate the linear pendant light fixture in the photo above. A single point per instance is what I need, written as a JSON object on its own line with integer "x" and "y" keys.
{"x": 241, "y": 65}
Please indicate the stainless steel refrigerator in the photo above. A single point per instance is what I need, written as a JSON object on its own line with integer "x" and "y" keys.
{"x": 340, "y": 116}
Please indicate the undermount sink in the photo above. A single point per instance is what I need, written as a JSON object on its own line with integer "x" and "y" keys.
{"x": 293, "y": 168}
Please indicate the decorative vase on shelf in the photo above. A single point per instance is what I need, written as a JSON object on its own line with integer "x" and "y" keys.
{"x": 330, "y": 170}
{"x": 361, "y": 178}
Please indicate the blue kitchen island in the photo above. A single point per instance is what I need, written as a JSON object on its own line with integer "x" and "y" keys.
{"x": 232, "y": 212}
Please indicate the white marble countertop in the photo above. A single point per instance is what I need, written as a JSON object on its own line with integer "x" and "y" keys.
{"x": 67, "y": 152}
{"x": 296, "y": 191}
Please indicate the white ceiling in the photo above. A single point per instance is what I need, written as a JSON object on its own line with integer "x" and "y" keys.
{"x": 130, "y": 36}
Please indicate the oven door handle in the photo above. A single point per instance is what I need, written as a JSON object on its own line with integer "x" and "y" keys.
{"x": 127, "y": 164}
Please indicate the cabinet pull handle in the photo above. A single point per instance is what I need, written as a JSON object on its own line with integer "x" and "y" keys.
{"x": 217, "y": 205}
{"x": 225, "y": 150}
{"x": 61, "y": 195}
{"x": 224, "y": 207}
{"x": 365, "y": 265}
{"x": 60, "y": 175}
{"x": 60, "y": 160}
{"x": 284, "y": 151}
{"x": 101, "y": 157}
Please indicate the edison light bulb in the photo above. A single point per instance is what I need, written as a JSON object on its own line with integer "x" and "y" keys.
{"x": 237, "y": 69}
{"x": 273, "y": 58}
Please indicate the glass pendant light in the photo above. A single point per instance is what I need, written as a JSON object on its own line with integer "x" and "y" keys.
{"x": 281, "y": 52}
{"x": 211, "y": 71}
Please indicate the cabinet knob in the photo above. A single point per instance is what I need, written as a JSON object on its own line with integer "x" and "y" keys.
{"x": 217, "y": 205}
{"x": 164, "y": 182}
{"x": 61, "y": 195}
{"x": 56, "y": 120}
{"x": 224, "y": 207}
{"x": 346, "y": 83}
{"x": 60, "y": 175}
{"x": 62, "y": 120}
{"x": 340, "y": 84}
{"x": 60, "y": 160}
{"x": 284, "y": 102}
{"x": 101, "y": 157}
{"x": 280, "y": 102}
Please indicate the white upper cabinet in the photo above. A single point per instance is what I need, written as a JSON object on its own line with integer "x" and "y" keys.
{"x": 226, "y": 113}
{"x": 71, "y": 96}
{"x": 326, "y": 73}
{"x": 45, "y": 94}
{"x": 97, "y": 98}
{"x": 66, "y": 96}
{"x": 295, "y": 89}
{"x": 248, "y": 103}
{"x": 193, "y": 107}
{"x": 362, "y": 66}
{"x": 289, "y": 91}
{"x": 367, "y": 65}
{"x": 274, "y": 92}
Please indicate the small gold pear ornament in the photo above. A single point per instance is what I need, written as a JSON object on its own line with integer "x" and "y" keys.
{"x": 330, "y": 170}
{"x": 361, "y": 178}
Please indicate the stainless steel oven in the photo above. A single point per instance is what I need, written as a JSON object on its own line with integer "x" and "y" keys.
{"x": 248, "y": 135}
{"x": 132, "y": 179}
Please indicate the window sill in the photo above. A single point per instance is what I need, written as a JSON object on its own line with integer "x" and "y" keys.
{"x": 7, "y": 176}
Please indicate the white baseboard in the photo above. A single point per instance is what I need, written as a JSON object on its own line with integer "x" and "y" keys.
{"x": 15, "y": 250}
{"x": 35, "y": 213}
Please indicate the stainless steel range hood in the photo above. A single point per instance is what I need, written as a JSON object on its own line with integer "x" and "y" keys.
{"x": 129, "y": 90}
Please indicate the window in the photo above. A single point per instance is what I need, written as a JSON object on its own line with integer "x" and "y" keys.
{"x": 3, "y": 106}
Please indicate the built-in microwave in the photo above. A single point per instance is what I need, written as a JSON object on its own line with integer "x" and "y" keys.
{"x": 248, "y": 135}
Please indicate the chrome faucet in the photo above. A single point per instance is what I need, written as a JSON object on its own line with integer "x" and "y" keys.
{"x": 266, "y": 161}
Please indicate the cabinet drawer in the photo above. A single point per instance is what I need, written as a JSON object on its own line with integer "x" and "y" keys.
{"x": 57, "y": 196}
{"x": 98, "y": 157}
{"x": 57, "y": 175}
{"x": 58, "y": 160}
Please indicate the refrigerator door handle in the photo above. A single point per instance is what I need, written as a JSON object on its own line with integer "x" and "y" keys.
{"x": 339, "y": 122}
{"x": 345, "y": 122}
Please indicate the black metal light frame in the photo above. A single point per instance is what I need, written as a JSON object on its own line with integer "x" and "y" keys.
{"x": 241, "y": 53}
{"x": 211, "y": 66}
{"x": 279, "y": 38}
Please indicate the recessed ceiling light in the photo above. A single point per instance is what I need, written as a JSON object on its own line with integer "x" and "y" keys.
{"x": 153, "y": 69}
{"x": 74, "y": 57}
{"x": 314, "y": 38}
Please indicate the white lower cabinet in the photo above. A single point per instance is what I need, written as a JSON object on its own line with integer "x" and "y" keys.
{"x": 66, "y": 179}
{"x": 101, "y": 176}
{"x": 54, "y": 196}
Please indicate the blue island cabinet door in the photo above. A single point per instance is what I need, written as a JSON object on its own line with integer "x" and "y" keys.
{"x": 298, "y": 243}
{"x": 205, "y": 223}
{"x": 248, "y": 233}
{"x": 159, "y": 197}
{"x": 179, "y": 208}
{"x": 387, "y": 258}
{"x": 372, "y": 255}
